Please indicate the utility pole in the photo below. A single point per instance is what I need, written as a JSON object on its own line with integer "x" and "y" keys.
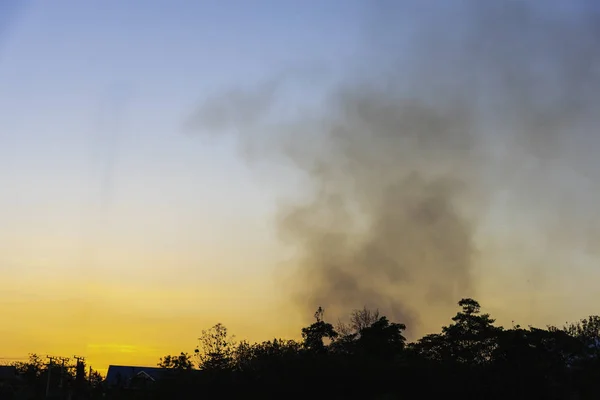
{"x": 50, "y": 362}
{"x": 63, "y": 360}
{"x": 79, "y": 359}
{"x": 79, "y": 377}
{"x": 79, "y": 369}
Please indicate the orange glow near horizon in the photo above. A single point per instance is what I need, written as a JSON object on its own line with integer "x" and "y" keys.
{"x": 129, "y": 325}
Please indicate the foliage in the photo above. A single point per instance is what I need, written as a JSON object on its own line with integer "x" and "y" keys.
{"x": 216, "y": 349}
{"x": 39, "y": 378}
{"x": 467, "y": 358}
{"x": 182, "y": 362}
{"x": 32, "y": 368}
{"x": 96, "y": 379}
{"x": 314, "y": 334}
{"x": 368, "y": 357}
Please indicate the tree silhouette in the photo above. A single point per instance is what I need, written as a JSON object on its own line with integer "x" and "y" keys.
{"x": 182, "y": 362}
{"x": 32, "y": 368}
{"x": 472, "y": 336}
{"x": 359, "y": 319}
{"x": 314, "y": 334}
{"x": 366, "y": 357}
{"x": 382, "y": 339}
{"x": 216, "y": 349}
{"x": 471, "y": 339}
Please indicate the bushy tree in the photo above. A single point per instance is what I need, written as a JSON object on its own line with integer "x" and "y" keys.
{"x": 472, "y": 336}
{"x": 314, "y": 334}
{"x": 182, "y": 362}
{"x": 216, "y": 349}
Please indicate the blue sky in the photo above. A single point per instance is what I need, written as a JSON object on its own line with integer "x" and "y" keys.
{"x": 109, "y": 211}
{"x": 92, "y": 90}
{"x": 101, "y": 186}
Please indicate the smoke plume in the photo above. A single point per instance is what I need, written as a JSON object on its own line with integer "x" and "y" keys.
{"x": 446, "y": 110}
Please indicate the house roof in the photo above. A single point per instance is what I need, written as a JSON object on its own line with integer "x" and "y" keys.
{"x": 143, "y": 374}
{"x": 121, "y": 373}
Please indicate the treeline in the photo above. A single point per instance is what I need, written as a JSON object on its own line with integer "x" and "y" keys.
{"x": 369, "y": 358}
{"x": 50, "y": 378}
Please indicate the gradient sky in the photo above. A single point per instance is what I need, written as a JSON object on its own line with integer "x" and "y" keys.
{"x": 114, "y": 223}
{"x": 121, "y": 237}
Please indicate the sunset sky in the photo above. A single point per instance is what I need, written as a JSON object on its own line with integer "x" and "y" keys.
{"x": 122, "y": 235}
{"x": 118, "y": 231}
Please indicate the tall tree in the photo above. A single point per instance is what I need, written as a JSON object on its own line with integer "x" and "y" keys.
{"x": 215, "y": 349}
{"x": 314, "y": 334}
{"x": 472, "y": 336}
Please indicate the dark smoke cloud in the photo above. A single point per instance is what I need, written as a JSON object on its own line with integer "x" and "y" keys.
{"x": 405, "y": 156}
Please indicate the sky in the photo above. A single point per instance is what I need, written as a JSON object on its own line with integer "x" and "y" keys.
{"x": 122, "y": 235}
{"x": 116, "y": 226}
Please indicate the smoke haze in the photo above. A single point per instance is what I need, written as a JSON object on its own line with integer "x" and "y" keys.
{"x": 447, "y": 116}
